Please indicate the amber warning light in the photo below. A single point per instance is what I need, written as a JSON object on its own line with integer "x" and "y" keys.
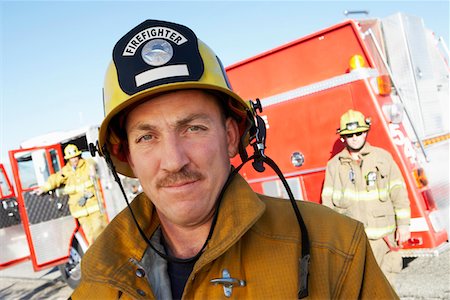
{"x": 383, "y": 82}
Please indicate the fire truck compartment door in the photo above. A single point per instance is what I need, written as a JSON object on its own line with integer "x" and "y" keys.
{"x": 46, "y": 218}
{"x": 13, "y": 240}
{"x": 50, "y": 226}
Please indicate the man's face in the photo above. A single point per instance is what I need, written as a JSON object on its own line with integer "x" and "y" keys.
{"x": 180, "y": 147}
{"x": 355, "y": 141}
{"x": 74, "y": 161}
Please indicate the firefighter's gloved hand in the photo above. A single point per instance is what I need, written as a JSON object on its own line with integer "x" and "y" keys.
{"x": 39, "y": 191}
{"x": 82, "y": 201}
{"x": 402, "y": 234}
{"x": 88, "y": 195}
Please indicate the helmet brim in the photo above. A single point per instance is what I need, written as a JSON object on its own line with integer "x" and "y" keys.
{"x": 359, "y": 129}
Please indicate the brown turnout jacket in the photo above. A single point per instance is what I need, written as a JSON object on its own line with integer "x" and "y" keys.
{"x": 257, "y": 239}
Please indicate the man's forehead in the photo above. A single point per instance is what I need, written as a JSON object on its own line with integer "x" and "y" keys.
{"x": 179, "y": 101}
{"x": 173, "y": 111}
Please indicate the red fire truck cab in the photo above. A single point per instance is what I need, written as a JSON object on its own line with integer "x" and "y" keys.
{"x": 306, "y": 85}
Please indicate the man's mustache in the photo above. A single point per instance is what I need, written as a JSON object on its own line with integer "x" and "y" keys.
{"x": 184, "y": 175}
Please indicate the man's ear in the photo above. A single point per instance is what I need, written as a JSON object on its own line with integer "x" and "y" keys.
{"x": 232, "y": 132}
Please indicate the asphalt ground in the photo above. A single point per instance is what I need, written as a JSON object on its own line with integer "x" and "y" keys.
{"x": 421, "y": 278}
{"x": 425, "y": 278}
{"x": 20, "y": 282}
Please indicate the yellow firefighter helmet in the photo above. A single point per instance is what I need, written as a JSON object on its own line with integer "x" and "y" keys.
{"x": 71, "y": 151}
{"x": 353, "y": 121}
{"x": 157, "y": 57}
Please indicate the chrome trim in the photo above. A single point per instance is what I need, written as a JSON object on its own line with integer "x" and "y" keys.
{"x": 355, "y": 75}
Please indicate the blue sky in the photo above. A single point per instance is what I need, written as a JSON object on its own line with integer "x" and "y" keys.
{"x": 53, "y": 54}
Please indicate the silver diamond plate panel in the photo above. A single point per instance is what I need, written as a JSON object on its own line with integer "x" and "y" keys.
{"x": 51, "y": 239}
{"x": 13, "y": 243}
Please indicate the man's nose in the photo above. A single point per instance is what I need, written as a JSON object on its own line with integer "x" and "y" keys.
{"x": 173, "y": 156}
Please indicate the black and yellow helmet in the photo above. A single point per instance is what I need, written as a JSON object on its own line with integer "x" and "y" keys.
{"x": 353, "y": 121}
{"x": 71, "y": 151}
{"x": 157, "y": 57}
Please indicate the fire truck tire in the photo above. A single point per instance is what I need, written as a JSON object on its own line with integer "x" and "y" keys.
{"x": 71, "y": 270}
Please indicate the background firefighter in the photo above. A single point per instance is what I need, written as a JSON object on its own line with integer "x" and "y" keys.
{"x": 364, "y": 183}
{"x": 78, "y": 177}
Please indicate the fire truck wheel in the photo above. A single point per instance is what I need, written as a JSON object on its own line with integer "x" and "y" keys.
{"x": 71, "y": 270}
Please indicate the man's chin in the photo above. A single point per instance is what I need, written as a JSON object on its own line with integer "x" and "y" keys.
{"x": 352, "y": 149}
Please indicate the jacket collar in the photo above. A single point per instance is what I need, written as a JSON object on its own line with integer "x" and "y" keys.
{"x": 345, "y": 156}
{"x": 121, "y": 242}
{"x": 238, "y": 212}
{"x": 80, "y": 164}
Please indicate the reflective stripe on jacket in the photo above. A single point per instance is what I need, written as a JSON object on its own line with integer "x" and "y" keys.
{"x": 371, "y": 190}
{"x": 256, "y": 239}
{"x": 76, "y": 182}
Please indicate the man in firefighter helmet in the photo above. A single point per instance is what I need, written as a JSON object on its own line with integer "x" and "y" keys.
{"x": 198, "y": 230}
{"x": 77, "y": 176}
{"x": 364, "y": 183}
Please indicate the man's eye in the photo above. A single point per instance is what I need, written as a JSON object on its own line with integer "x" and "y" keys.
{"x": 195, "y": 128}
{"x": 144, "y": 138}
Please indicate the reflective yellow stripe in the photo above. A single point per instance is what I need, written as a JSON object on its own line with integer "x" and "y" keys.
{"x": 383, "y": 193}
{"x": 337, "y": 195}
{"x": 364, "y": 195}
{"x": 403, "y": 213}
{"x": 376, "y": 233}
{"x": 353, "y": 195}
{"x": 85, "y": 210}
{"x": 88, "y": 184}
{"x": 72, "y": 188}
{"x": 79, "y": 213}
{"x": 93, "y": 208}
{"x": 327, "y": 191}
{"x": 396, "y": 184}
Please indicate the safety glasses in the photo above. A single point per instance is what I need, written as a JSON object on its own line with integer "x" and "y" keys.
{"x": 347, "y": 136}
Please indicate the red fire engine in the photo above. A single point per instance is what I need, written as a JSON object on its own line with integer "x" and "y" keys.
{"x": 389, "y": 69}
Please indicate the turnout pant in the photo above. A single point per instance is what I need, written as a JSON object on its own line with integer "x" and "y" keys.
{"x": 92, "y": 224}
{"x": 390, "y": 262}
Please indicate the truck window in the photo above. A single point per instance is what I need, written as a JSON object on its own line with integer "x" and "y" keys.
{"x": 33, "y": 168}
{"x": 55, "y": 162}
{"x": 26, "y": 172}
{"x": 6, "y": 191}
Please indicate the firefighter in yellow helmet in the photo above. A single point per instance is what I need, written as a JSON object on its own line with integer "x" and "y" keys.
{"x": 198, "y": 230}
{"x": 364, "y": 183}
{"x": 77, "y": 176}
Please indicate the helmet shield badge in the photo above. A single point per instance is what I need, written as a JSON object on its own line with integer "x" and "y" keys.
{"x": 155, "y": 53}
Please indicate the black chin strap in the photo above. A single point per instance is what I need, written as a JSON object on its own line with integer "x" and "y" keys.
{"x": 305, "y": 258}
{"x": 258, "y": 140}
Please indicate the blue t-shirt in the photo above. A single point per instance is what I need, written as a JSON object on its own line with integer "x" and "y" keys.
{"x": 178, "y": 275}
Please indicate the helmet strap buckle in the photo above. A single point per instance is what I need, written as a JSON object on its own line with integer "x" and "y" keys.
{"x": 258, "y": 136}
